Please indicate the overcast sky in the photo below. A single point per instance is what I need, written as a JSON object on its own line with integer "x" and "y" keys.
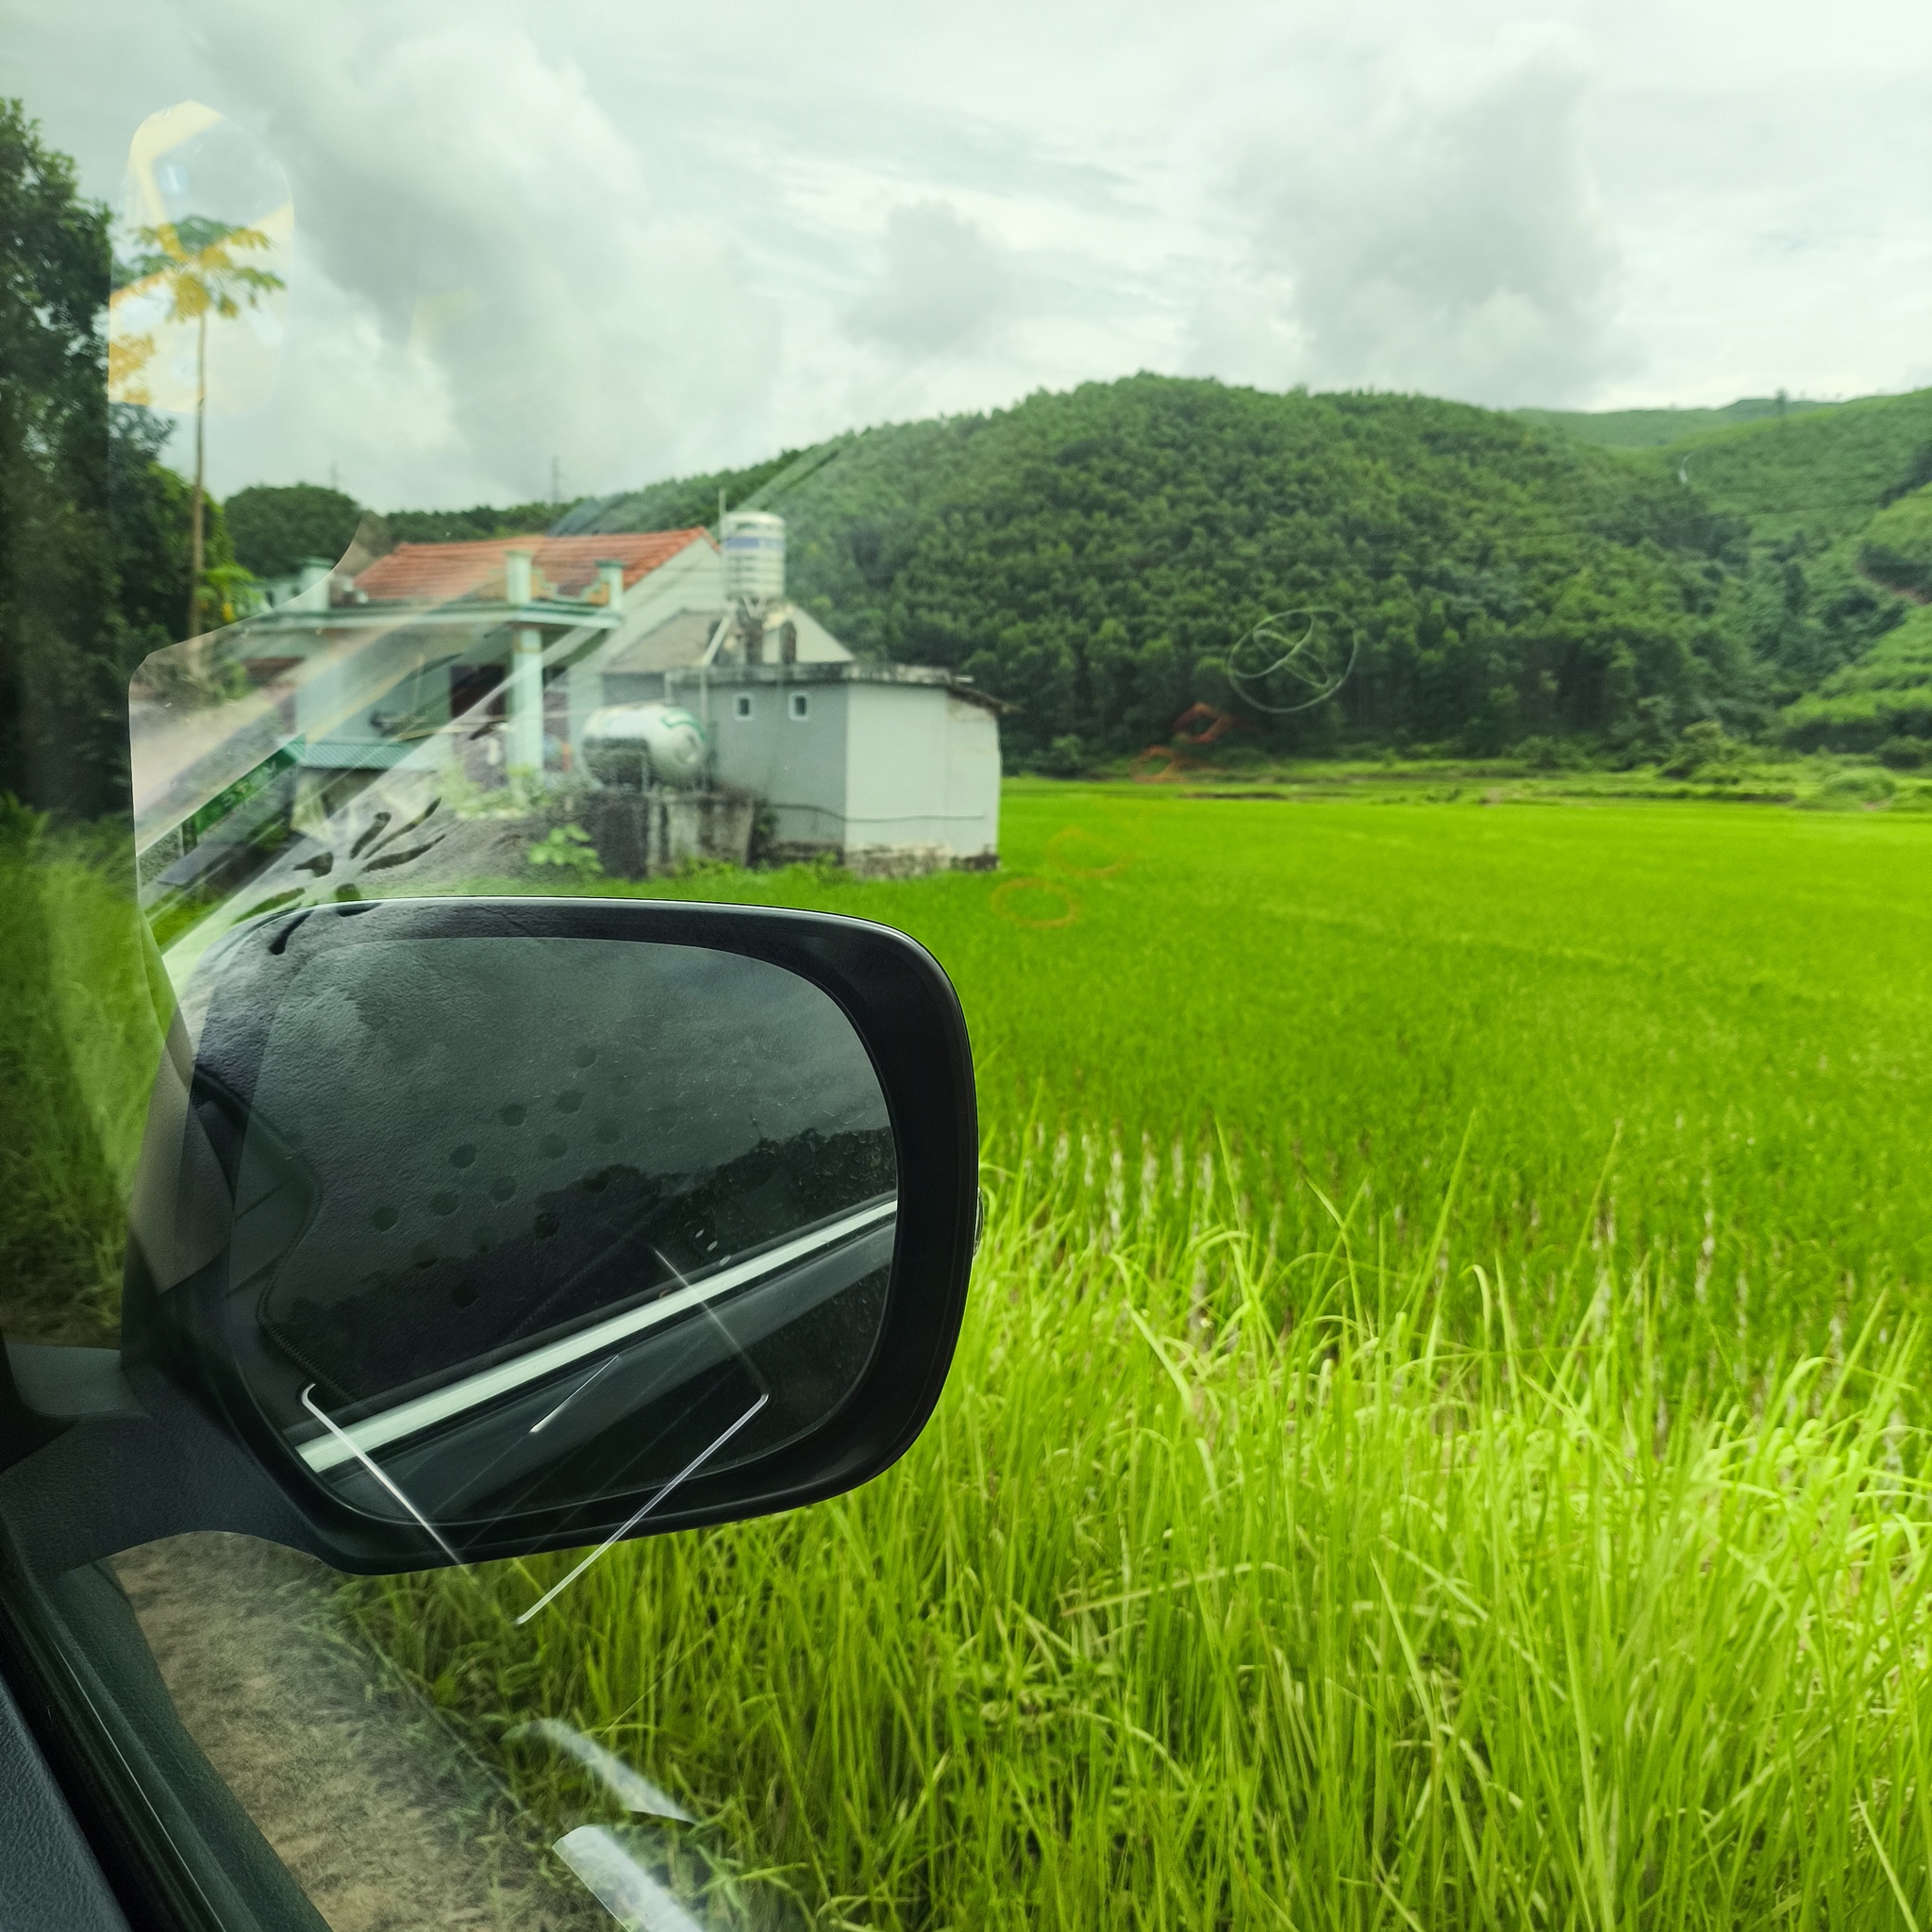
{"x": 644, "y": 239}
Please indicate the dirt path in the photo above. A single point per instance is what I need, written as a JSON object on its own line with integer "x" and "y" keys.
{"x": 384, "y": 1820}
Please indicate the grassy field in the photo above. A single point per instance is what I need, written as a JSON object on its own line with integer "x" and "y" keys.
{"x": 1436, "y": 1442}
{"x": 1437, "y": 1437}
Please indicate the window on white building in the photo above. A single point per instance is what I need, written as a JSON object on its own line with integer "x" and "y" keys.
{"x": 740, "y": 705}
{"x": 801, "y": 704}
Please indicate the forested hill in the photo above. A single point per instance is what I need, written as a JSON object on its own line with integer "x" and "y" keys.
{"x": 1097, "y": 555}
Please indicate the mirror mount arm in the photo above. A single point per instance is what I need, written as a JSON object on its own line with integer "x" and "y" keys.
{"x": 125, "y": 1458}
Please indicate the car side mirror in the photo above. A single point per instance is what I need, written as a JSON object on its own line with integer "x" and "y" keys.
{"x": 481, "y": 1227}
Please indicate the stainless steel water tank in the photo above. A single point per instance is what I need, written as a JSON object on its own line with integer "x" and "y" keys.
{"x": 754, "y": 545}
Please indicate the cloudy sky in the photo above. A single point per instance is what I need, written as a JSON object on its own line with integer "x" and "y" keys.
{"x": 638, "y": 239}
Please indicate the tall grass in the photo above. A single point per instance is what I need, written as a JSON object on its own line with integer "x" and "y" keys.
{"x": 78, "y": 1045}
{"x": 1227, "y": 1588}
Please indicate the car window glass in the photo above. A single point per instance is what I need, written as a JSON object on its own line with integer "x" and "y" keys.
{"x": 1361, "y": 580}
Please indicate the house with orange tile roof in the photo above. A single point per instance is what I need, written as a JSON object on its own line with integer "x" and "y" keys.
{"x": 385, "y": 660}
{"x": 469, "y": 678}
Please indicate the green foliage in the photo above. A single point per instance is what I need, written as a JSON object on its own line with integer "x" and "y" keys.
{"x": 1702, "y": 750}
{"x": 274, "y": 530}
{"x": 93, "y": 528}
{"x": 197, "y": 260}
{"x": 570, "y": 849}
{"x": 57, "y": 601}
{"x": 1436, "y": 1429}
{"x": 1896, "y": 547}
{"x": 1100, "y": 557}
{"x": 1885, "y": 694}
{"x": 1860, "y": 786}
{"x": 1799, "y": 494}
{"x": 76, "y": 1059}
{"x": 471, "y": 525}
{"x": 1065, "y": 758}
{"x": 1656, "y": 428}
{"x": 686, "y": 502}
{"x": 1226, "y": 1589}
{"x": 1821, "y": 474}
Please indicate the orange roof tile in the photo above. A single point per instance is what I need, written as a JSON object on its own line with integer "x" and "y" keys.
{"x": 564, "y": 567}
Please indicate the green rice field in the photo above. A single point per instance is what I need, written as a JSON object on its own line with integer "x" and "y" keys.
{"x": 1437, "y": 1439}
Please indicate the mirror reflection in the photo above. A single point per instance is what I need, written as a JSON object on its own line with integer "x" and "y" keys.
{"x": 613, "y": 1214}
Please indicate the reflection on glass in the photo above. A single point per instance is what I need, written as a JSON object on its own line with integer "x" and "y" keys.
{"x": 614, "y": 1214}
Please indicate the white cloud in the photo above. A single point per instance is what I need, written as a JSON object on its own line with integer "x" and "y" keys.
{"x": 642, "y": 238}
{"x": 1450, "y": 240}
{"x": 459, "y": 172}
{"x": 942, "y": 284}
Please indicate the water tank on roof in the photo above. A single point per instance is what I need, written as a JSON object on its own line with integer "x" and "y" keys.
{"x": 634, "y": 746}
{"x": 754, "y": 545}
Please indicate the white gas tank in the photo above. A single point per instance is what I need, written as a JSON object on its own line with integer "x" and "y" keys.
{"x": 646, "y": 744}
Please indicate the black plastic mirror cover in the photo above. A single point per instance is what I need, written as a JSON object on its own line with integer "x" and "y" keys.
{"x": 905, "y": 1014}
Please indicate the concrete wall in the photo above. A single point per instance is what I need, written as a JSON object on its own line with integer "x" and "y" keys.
{"x": 888, "y": 774}
{"x": 645, "y": 834}
{"x": 923, "y": 772}
{"x": 795, "y": 764}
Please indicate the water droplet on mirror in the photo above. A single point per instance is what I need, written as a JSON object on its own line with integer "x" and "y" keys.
{"x": 553, "y": 1146}
{"x": 463, "y": 1155}
{"x": 444, "y": 1204}
{"x": 511, "y": 1116}
{"x": 384, "y": 1219}
{"x": 502, "y": 1188}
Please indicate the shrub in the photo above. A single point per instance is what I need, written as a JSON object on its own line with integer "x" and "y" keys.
{"x": 1065, "y": 758}
{"x": 1861, "y": 783}
{"x": 570, "y": 847}
{"x": 1702, "y": 750}
{"x": 1897, "y": 547}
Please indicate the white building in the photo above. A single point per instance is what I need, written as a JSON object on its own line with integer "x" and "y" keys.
{"x": 484, "y": 661}
{"x": 889, "y": 768}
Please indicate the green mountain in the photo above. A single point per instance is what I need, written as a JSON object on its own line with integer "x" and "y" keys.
{"x": 1100, "y": 557}
{"x": 1465, "y": 579}
{"x": 1821, "y": 476}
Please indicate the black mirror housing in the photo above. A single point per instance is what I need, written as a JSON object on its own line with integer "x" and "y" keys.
{"x": 477, "y": 1228}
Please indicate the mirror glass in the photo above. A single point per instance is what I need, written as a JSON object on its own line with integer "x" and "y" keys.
{"x": 591, "y": 1218}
